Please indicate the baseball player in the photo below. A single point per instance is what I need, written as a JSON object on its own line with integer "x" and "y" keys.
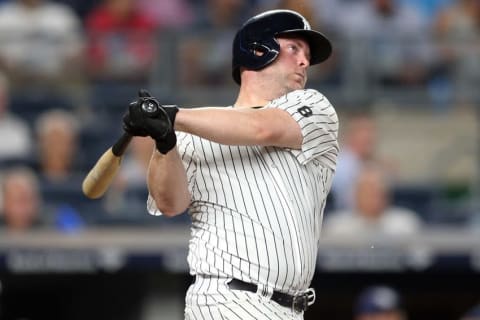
{"x": 254, "y": 176}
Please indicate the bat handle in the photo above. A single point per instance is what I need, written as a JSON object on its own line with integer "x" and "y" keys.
{"x": 118, "y": 149}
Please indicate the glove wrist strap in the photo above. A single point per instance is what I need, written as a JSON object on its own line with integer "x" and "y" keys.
{"x": 164, "y": 147}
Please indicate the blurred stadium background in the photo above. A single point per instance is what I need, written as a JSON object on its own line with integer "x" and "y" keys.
{"x": 69, "y": 69}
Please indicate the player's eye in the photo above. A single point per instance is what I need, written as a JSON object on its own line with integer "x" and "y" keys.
{"x": 293, "y": 48}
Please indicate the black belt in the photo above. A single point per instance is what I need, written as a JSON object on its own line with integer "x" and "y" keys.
{"x": 298, "y": 303}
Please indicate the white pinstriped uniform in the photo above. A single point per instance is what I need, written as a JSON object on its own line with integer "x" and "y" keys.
{"x": 257, "y": 213}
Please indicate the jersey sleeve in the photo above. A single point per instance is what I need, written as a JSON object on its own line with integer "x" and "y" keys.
{"x": 186, "y": 150}
{"x": 318, "y": 122}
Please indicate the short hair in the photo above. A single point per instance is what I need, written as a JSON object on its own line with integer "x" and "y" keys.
{"x": 49, "y": 119}
{"x": 19, "y": 172}
{"x": 22, "y": 172}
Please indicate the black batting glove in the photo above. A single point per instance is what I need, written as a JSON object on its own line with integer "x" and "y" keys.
{"x": 133, "y": 126}
{"x": 169, "y": 141}
{"x": 146, "y": 117}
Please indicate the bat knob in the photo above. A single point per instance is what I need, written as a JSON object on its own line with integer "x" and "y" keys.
{"x": 150, "y": 107}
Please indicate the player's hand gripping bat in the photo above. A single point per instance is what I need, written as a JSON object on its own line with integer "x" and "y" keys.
{"x": 101, "y": 175}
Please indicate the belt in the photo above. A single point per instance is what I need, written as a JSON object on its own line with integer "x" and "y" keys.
{"x": 298, "y": 303}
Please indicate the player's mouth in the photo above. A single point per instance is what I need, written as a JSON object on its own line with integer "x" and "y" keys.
{"x": 300, "y": 77}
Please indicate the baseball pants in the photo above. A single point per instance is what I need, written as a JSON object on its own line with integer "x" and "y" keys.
{"x": 210, "y": 298}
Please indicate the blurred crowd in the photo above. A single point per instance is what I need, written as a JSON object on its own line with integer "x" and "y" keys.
{"x": 68, "y": 69}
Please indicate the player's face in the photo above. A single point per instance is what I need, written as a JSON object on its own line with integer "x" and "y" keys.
{"x": 289, "y": 70}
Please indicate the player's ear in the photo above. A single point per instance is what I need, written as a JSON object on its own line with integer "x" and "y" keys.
{"x": 143, "y": 93}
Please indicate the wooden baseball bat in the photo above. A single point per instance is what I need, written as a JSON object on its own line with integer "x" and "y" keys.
{"x": 101, "y": 175}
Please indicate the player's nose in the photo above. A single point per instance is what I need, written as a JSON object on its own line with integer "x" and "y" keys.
{"x": 303, "y": 60}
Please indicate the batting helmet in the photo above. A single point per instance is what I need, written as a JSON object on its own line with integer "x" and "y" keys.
{"x": 255, "y": 45}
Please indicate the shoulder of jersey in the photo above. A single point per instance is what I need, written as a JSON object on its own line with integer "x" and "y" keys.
{"x": 305, "y": 93}
{"x": 301, "y": 94}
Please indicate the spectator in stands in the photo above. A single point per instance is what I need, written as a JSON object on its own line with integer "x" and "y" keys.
{"x": 357, "y": 147}
{"x": 57, "y": 134}
{"x": 15, "y": 135}
{"x": 457, "y": 30}
{"x": 41, "y": 43}
{"x": 472, "y": 314}
{"x": 379, "y": 302}
{"x": 121, "y": 47}
{"x": 373, "y": 213}
{"x": 22, "y": 203}
{"x": 397, "y": 52}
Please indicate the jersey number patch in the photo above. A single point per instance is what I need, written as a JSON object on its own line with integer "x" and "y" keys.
{"x": 305, "y": 111}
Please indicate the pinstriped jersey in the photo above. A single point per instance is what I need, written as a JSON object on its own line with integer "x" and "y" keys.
{"x": 257, "y": 211}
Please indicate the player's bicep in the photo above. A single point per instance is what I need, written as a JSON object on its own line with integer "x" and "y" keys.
{"x": 281, "y": 130}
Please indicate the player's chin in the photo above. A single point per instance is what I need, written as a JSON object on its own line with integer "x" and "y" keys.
{"x": 296, "y": 85}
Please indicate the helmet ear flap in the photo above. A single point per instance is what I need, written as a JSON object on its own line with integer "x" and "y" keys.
{"x": 258, "y": 49}
{"x": 253, "y": 55}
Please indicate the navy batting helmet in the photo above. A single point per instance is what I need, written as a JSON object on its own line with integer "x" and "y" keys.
{"x": 255, "y": 45}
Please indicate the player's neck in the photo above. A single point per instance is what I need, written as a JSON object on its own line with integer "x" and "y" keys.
{"x": 252, "y": 96}
{"x": 248, "y": 101}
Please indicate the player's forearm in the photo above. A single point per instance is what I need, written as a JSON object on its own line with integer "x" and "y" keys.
{"x": 167, "y": 183}
{"x": 268, "y": 127}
